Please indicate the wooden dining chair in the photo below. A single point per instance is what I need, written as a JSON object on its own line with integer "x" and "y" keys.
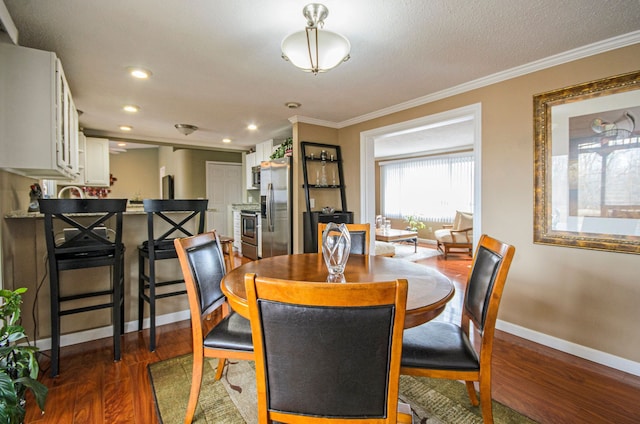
{"x": 360, "y": 237}
{"x": 444, "y": 350}
{"x": 203, "y": 266}
{"x": 327, "y": 352}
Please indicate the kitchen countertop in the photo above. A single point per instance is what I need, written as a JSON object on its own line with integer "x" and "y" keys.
{"x": 24, "y": 214}
{"x": 245, "y": 206}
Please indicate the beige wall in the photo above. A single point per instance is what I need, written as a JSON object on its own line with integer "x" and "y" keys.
{"x": 188, "y": 166}
{"x": 581, "y": 296}
{"x": 137, "y": 174}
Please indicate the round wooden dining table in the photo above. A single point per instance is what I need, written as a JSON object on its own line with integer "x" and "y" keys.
{"x": 429, "y": 290}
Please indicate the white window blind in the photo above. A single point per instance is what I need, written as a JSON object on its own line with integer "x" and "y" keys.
{"x": 432, "y": 188}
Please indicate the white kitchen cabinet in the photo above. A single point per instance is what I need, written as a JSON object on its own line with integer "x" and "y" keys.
{"x": 250, "y": 162}
{"x": 237, "y": 232}
{"x": 78, "y": 179}
{"x": 264, "y": 151}
{"x": 38, "y": 119}
{"x": 96, "y": 165}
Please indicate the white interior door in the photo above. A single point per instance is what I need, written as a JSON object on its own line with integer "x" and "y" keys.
{"x": 224, "y": 187}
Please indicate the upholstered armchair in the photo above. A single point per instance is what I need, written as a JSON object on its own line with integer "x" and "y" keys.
{"x": 458, "y": 236}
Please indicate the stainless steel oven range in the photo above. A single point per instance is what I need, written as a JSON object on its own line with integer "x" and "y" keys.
{"x": 250, "y": 234}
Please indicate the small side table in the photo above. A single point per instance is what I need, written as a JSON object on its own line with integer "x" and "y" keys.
{"x": 391, "y": 235}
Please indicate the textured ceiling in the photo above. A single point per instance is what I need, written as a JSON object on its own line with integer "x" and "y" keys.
{"x": 216, "y": 64}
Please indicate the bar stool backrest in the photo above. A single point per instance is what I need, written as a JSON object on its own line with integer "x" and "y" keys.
{"x": 85, "y": 238}
{"x": 196, "y": 209}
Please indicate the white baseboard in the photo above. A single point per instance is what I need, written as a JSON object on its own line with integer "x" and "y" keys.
{"x": 100, "y": 333}
{"x": 580, "y": 351}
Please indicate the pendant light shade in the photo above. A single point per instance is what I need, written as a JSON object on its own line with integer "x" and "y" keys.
{"x": 314, "y": 49}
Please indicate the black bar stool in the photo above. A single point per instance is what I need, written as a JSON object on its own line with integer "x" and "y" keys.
{"x": 161, "y": 247}
{"x": 84, "y": 246}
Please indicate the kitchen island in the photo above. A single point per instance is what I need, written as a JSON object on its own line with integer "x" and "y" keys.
{"x": 25, "y": 265}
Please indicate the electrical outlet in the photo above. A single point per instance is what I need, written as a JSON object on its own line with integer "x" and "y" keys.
{"x": 431, "y": 229}
{"x": 312, "y": 202}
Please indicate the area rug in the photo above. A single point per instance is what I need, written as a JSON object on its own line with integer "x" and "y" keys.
{"x": 406, "y": 252}
{"x": 233, "y": 398}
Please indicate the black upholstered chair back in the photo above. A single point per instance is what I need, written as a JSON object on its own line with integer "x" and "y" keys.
{"x": 480, "y": 285}
{"x": 327, "y": 354}
{"x": 359, "y": 234}
{"x": 358, "y": 242}
{"x": 208, "y": 268}
{"x": 304, "y": 345}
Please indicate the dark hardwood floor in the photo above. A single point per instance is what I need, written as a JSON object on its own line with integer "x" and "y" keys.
{"x": 546, "y": 385}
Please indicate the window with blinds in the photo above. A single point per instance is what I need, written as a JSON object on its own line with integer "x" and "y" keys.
{"x": 432, "y": 188}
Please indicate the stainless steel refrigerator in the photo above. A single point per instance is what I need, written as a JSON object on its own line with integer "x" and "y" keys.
{"x": 276, "y": 207}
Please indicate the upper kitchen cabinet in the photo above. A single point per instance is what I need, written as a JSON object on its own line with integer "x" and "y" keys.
{"x": 96, "y": 166}
{"x": 263, "y": 151}
{"x": 38, "y": 119}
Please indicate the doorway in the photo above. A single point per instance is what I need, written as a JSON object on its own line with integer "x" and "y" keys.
{"x": 369, "y": 138}
{"x": 224, "y": 188}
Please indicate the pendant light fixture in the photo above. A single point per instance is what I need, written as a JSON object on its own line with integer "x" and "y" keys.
{"x": 315, "y": 49}
{"x": 185, "y": 129}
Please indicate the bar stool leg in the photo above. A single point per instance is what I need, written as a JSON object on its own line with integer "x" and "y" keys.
{"x": 140, "y": 290}
{"x": 117, "y": 306}
{"x": 55, "y": 318}
{"x": 152, "y": 305}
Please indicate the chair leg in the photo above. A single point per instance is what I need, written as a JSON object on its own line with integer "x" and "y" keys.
{"x": 471, "y": 390}
{"x": 221, "y": 364}
{"x": 196, "y": 382}
{"x": 486, "y": 404}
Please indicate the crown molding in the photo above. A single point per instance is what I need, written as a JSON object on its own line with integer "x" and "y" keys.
{"x": 307, "y": 120}
{"x": 538, "y": 65}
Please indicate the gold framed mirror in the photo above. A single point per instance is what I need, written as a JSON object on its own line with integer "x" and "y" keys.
{"x": 587, "y": 165}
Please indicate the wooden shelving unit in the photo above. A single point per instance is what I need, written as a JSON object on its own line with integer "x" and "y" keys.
{"x": 322, "y": 170}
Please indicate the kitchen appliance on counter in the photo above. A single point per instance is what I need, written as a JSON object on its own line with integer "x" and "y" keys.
{"x": 250, "y": 234}
{"x": 276, "y": 207}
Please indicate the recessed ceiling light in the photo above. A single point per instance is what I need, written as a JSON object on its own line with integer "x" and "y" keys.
{"x": 126, "y": 127}
{"x": 122, "y": 144}
{"x": 226, "y": 140}
{"x": 293, "y": 105}
{"x": 140, "y": 73}
{"x": 252, "y": 127}
{"x": 131, "y": 108}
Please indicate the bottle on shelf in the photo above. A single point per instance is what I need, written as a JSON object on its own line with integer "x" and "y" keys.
{"x": 323, "y": 175}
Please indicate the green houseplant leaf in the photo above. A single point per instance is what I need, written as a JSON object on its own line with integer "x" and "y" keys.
{"x": 413, "y": 223}
{"x": 18, "y": 362}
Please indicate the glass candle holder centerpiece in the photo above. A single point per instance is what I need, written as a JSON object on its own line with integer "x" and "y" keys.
{"x": 336, "y": 245}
